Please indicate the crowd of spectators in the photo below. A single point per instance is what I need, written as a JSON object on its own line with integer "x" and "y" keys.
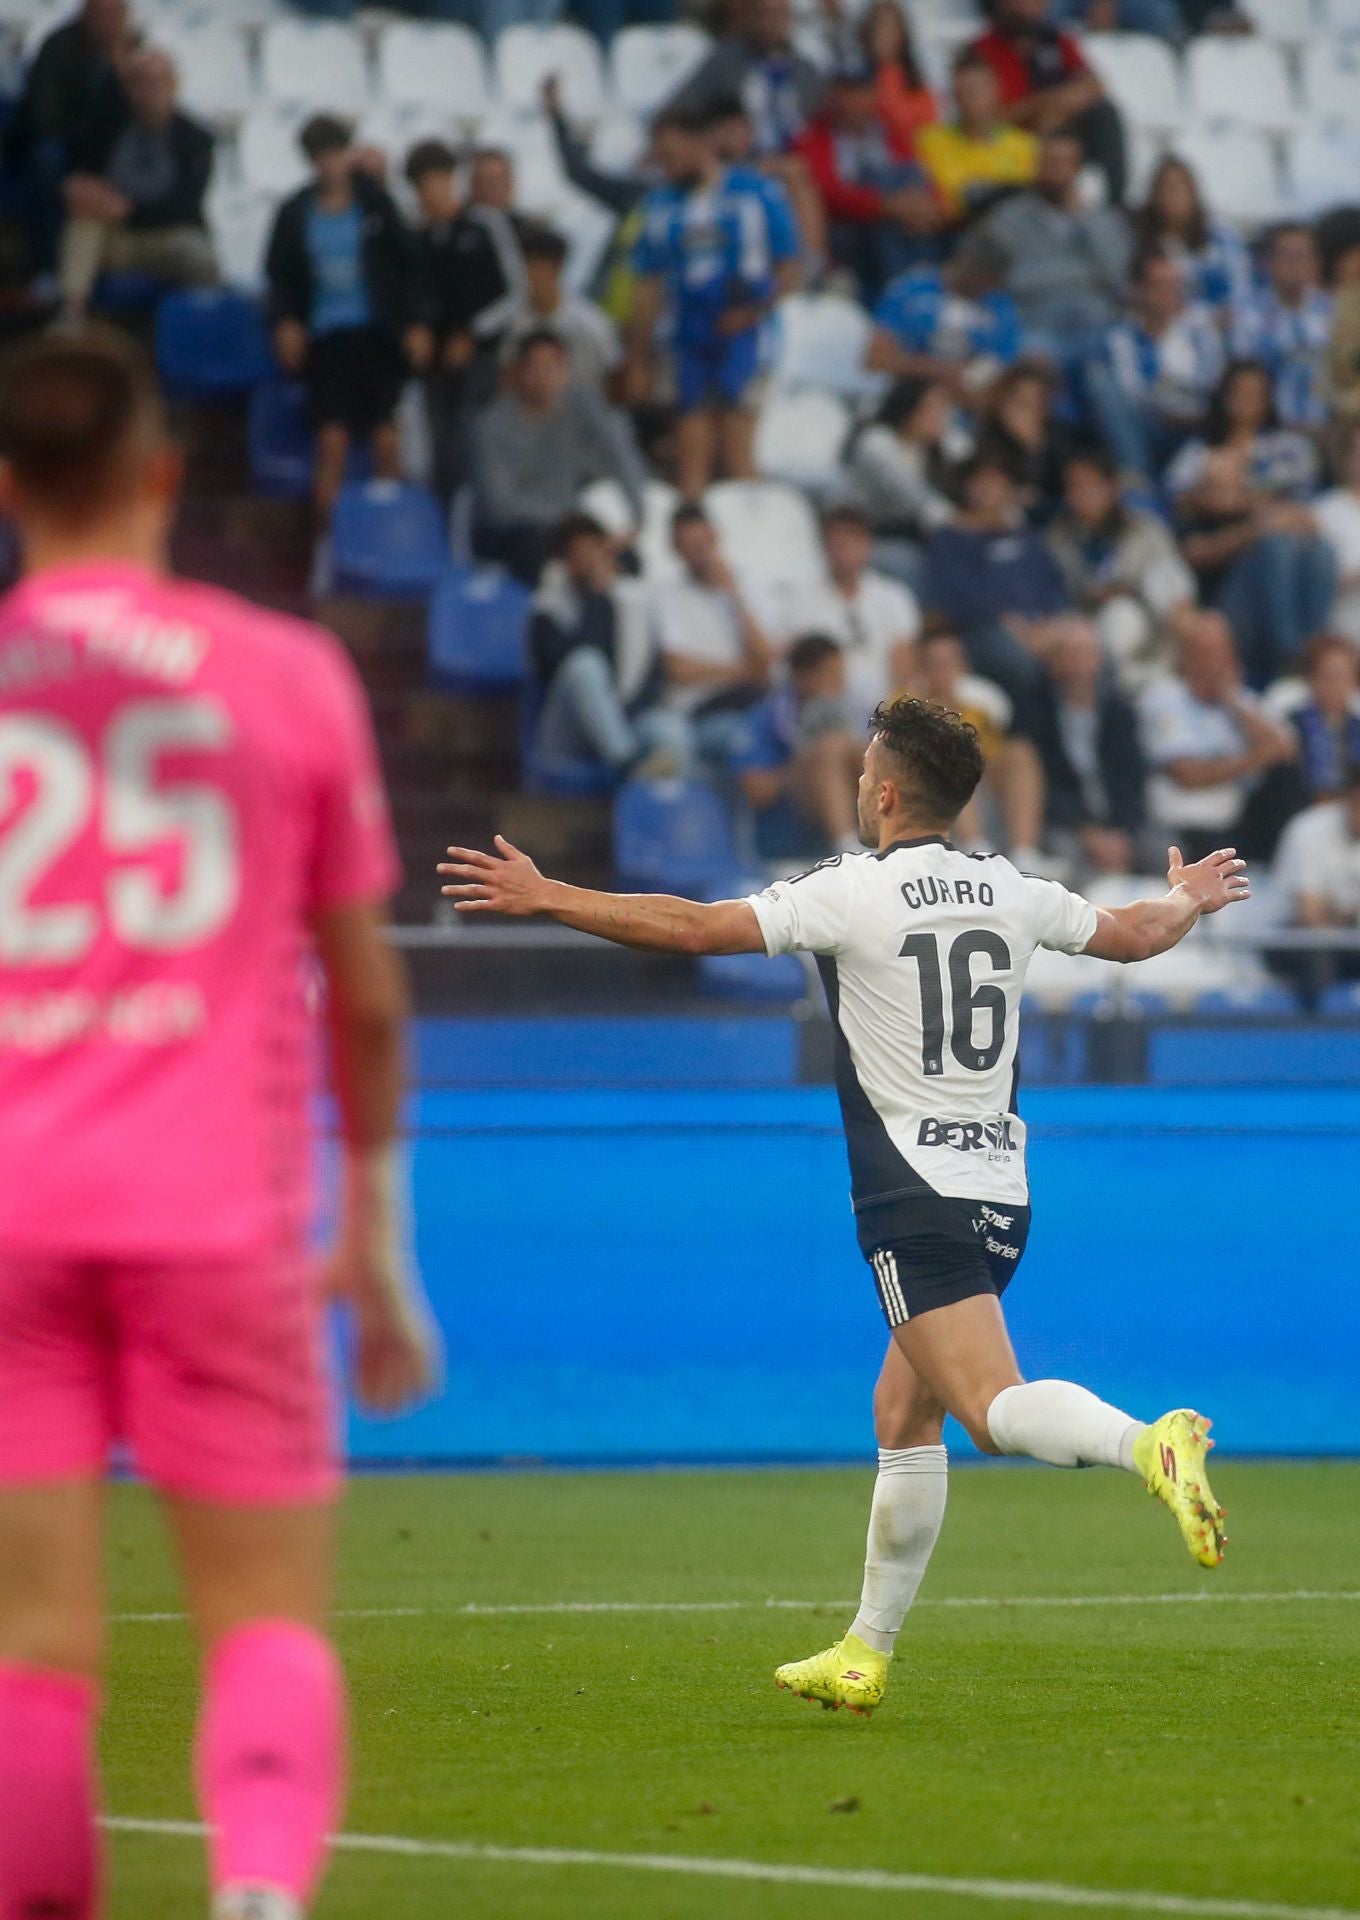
{"x": 1105, "y": 497}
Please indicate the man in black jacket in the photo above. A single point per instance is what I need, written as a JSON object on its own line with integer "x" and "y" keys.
{"x": 341, "y": 298}
{"x": 1087, "y": 735}
{"x": 135, "y": 200}
{"x": 469, "y": 276}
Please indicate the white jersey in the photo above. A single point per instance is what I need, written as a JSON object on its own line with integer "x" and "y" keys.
{"x": 923, "y": 952}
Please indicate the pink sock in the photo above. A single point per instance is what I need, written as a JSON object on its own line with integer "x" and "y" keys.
{"x": 271, "y": 1759}
{"x": 49, "y": 1852}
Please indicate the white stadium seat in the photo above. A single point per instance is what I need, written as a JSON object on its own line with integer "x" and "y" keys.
{"x": 239, "y": 219}
{"x": 769, "y": 534}
{"x": 648, "y": 64}
{"x": 800, "y": 437}
{"x": 1236, "y": 170}
{"x": 1142, "y": 76}
{"x": 820, "y": 342}
{"x": 315, "y": 64}
{"x": 271, "y": 160}
{"x": 618, "y": 143}
{"x": 216, "y": 81}
{"x": 1241, "y": 81}
{"x": 1331, "y": 80}
{"x": 1323, "y": 168}
{"x": 527, "y": 56}
{"x": 539, "y": 180}
{"x": 587, "y": 228}
{"x": 443, "y": 67}
{"x": 1341, "y": 16}
{"x": 1291, "y": 22}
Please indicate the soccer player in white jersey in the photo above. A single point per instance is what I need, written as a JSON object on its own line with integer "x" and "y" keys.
{"x": 923, "y": 951}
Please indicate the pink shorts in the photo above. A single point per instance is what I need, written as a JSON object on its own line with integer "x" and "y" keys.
{"x": 215, "y": 1373}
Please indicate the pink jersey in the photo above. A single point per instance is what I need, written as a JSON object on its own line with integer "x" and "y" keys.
{"x": 184, "y": 781}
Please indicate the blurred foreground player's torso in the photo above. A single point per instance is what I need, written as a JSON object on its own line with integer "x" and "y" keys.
{"x": 184, "y": 781}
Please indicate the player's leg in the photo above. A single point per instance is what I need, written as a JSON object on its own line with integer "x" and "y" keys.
{"x": 54, "y": 1440}
{"x": 270, "y": 1758}
{"x": 695, "y": 449}
{"x": 328, "y": 471}
{"x": 737, "y": 440}
{"x": 905, "y": 1518}
{"x": 962, "y": 1351}
{"x": 229, "y": 1408}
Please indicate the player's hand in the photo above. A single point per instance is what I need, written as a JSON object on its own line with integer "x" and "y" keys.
{"x": 1212, "y": 883}
{"x": 398, "y": 1354}
{"x": 504, "y": 882}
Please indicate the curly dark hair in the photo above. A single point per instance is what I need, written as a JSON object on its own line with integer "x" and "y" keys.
{"x": 936, "y": 752}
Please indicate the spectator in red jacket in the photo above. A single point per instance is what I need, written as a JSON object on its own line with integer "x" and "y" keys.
{"x": 883, "y": 214}
{"x": 1046, "y": 85}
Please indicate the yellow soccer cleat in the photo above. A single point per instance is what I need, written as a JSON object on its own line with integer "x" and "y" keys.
{"x": 1170, "y": 1455}
{"x": 846, "y": 1675}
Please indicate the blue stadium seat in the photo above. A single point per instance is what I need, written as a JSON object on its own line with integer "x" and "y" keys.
{"x": 211, "y": 340}
{"x": 1344, "y": 999}
{"x": 554, "y": 778}
{"x": 1259, "y": 1000}
{"x": 673, "y": 835}
{"x": 280, "y": 440}
{"x": 389, "y": 540}
{"x": 476, "y": 630}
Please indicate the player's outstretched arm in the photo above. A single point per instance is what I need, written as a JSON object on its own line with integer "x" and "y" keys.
{"x": 1149, "y": 927}
{"x": 509, "y": 882}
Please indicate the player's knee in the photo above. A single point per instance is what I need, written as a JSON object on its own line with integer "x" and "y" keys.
{"x": 900, "y": 1423}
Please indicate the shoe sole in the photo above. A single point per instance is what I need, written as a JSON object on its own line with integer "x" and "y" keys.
{"x": 828, "y": 1706}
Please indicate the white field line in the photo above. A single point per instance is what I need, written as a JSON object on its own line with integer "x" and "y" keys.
{"x": 1194, "y": 1596}
{"x": 1039, "y": 1893}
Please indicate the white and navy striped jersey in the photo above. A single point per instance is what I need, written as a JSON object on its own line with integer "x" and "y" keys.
{"x": 923, "y": 952}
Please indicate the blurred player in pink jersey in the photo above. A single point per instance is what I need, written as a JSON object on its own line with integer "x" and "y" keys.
{"x": 190, "y": 813}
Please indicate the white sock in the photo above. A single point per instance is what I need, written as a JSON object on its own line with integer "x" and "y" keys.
{"x": 1054, "y": 1420}
{"x": 904, "y": 1524}
{"x": 256, "y": 1903}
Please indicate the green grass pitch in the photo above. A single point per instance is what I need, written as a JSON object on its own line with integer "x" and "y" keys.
{"x": 1207, "y": 1751}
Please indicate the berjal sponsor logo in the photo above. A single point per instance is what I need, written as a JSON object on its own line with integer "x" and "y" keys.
{"x": 969, "y": 1136}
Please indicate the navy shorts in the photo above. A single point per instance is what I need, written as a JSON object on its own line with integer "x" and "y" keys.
{"x": 722, "y": 374}
{"x": 931, "y": 1250}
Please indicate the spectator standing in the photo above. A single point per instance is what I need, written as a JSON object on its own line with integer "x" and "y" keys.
{"x": 491, "y": 186}
{"x": 539, "y": 443}
{"x": 1150, "y": 385}
{"x": 1088, "y": 742}
{"x": 1214, "y": 755}
{"x": 805, "y": 752}
{"x": 1253, "y": 544}
{"x": 951, "y": 323}
{"x": 1287, "y": 324}
{"x": 1212, "y": 257}
{"x": 1337, "y": 516}
{"x": 716, "y": 655}
{"x": 978, "y": 156}
{"x": 1122, "y": 567}
{"x": 792, "y": 201}
{"x": 74, "y": 84}
{"x": 1047, "y": 86}
{"x": 708, "y": 253}
{"x": 135, "y": 197}
{"x": 1323, "y": 708}
{"x": 759, "y": 65}
{"x": 883, "y": 214}
{"x": 1066, "y": 263}
{"x": 596, "y": 674}
{"x": 1013, "y": 785}
{"x": 469, "y": 281}
{"x": 995, "y": 583}
{"x": 875, "y": 619}
{"x": 896, "y": 474}
{"x": 339, "y": 274}
{"x": 587, "y": 332}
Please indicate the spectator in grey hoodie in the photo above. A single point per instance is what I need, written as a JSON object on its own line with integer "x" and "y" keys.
{"x": 758, "y": 65}
{"x": 539, "y": 443}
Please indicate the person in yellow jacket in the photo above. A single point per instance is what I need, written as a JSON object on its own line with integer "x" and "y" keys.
{"x": 972, "y": 157}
